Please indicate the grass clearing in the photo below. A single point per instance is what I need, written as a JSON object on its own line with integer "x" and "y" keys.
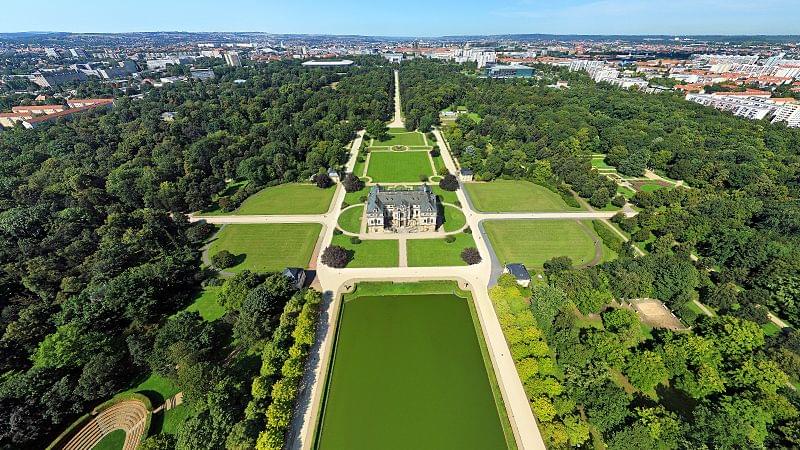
{"x": 350, "y": 219}
{"x": 444, "y": 196}
{"x": 437, "y": 252}
{"x": 408, "y": 370}
{"x": 532, "y": 242}
{"x": 398, "y": 167}
{"x": 268, "y": 247}
{"x": 514, "y": 196}
{"x": 454, "y": 219}
{"x": 371, "y": 253}
{"x": 354, "y": 198}
{"x": 156, "y": 388}
{"x": 399, "y": 136}
{"x": 206, "y": 304}
{"x": 112, "y": 441}
{"x": 291, "y": 198}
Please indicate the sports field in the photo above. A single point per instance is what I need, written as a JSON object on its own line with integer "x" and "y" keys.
{"x": 408, "y": 374}
{"x": 370, "y": 253}
{"x": 514, "y": 196}
{"x": 437, "y": 252}
{"x": 291, "y": 198}
{"x": 398, "y": 167}
{"x": 399, "y": 136}
{"x": 532, "y": 242}
{"x": 268, "y": 247}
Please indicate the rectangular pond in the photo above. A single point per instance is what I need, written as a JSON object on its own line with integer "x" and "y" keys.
{"x": 408, "y": 373}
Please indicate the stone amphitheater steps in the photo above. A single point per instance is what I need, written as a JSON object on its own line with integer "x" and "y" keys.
{"x": 129, "y": 416}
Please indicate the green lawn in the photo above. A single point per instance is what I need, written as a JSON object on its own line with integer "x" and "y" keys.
{"x": 453, "y": 219}
{"x": 174, "y": 418}
{"x": 353, "y": 198}
{"x": 409, "y": 374}
{"x": 156, "y": 388}
{"x": 399, "y": 136}
{"x": 398, "y": 167}
{"x": 444, "y": 196}
{"x": 371, "y": 253}
{"x": 650, "y": 187}
{"x": 112, "y": 441}
{"x": 206, "y": 304}
{"x": 358, "y": 169}
{"x": 350, "y": 219}
{"x": 626, "y": 191}
{"x": 268, "y": 247}
{"x": 514, "y": 196}
{"x": 600, "y": 163}
{"x": 438, "y": 164}
{"x": 437, "y": 252}
{"x": 532, "y": 242}
{"x": 292, "y": 198}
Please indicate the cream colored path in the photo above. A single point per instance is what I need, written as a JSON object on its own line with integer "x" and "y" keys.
{"x": 397, "y": 121}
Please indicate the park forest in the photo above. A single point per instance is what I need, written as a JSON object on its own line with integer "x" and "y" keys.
{"x": 729, "y": 240}
{"x": 97, "y": 260}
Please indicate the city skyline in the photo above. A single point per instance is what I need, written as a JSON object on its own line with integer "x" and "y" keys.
{"x": 415, "y": 18}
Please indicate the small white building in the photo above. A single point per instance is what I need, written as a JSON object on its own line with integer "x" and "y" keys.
{"x": 465, "y": 174}
{"x": 520, "y": 273}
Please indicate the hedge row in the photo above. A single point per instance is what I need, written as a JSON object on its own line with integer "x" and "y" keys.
{"x": 286, "y": 386}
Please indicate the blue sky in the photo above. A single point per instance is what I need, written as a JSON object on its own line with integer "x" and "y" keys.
{"x": 408, "y": 17}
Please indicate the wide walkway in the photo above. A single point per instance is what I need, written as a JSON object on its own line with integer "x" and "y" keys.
{"x": 397, "y": 121}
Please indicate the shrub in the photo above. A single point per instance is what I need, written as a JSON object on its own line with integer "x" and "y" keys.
{"x": 471, "y": 255}
{"x": 352, "y": 183}
{"x": 363, "y": 198}
{"x": 223, "y": 259}
{"x": 468, "y": 230}
{"x": 423, "y": 178}
{"x": 355, "y": 240}
{"x": 435, "y": 152}
{"x": 336, "y": 257}
{"x": 619, "y": 201}
{"x": 449, "y": 182}
{"x": 200, "y": 231}
{"x": 450, "y": 239}
{"x": 345, "y": 205}
{"x": 323, "y": 181}
{"x": 337, "y": 232}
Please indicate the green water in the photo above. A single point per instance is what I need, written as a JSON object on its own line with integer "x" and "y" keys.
{"x": 408, "y": 374}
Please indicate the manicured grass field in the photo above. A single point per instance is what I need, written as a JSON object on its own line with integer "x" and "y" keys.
{"x": 514, "y": 196}
{"x": 408, "y": 374}
{"x": 371, "y": 253}
{"x": 112, "y": 441}
{"x": 600, "y": 163}
{"x": 353, "y": 198}
{"x": 453, "y": 219}
{"x": 532, "y": 242}
{"x": 437, "y": 252}
{"x": 206, "y": 304}
{"x": 398, "y": 167}
{"x": 350, "y": 219}
{"x": 292, "y": 198}
{"x": 444, "y": 196}
{"x": 268, "y": 247}
{"x": 399, "y": 136}
{"x": 650, "y": 187}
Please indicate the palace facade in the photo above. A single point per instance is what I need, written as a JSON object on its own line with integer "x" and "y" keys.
{"x": 402, "y": 210}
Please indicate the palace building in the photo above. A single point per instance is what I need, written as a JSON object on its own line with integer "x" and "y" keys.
{"x": 402, "y": 210}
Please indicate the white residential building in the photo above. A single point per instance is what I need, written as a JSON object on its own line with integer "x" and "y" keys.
{"x": 788, "y": 113}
